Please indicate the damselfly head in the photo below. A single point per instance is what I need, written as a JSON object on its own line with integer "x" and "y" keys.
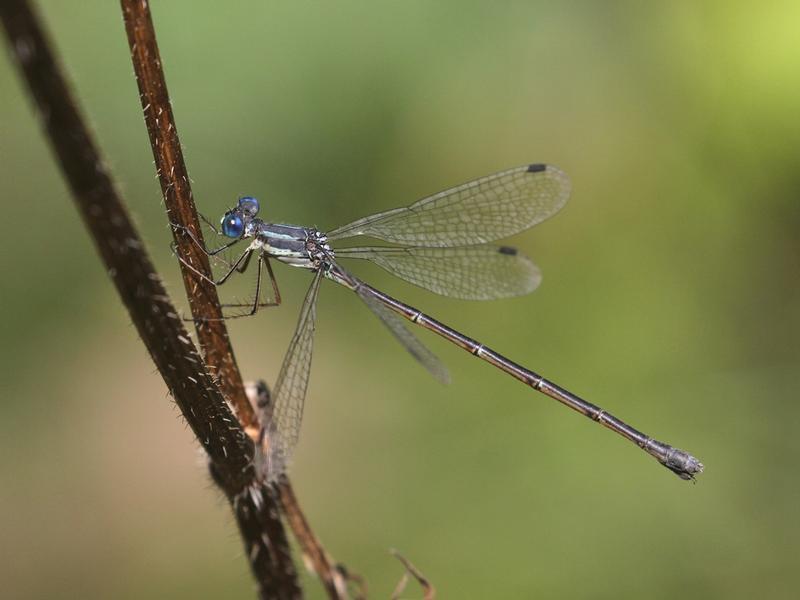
{"x": 235, "y": 222}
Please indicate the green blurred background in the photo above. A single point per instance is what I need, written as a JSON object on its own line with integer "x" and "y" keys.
{"x": 670, "y": 297}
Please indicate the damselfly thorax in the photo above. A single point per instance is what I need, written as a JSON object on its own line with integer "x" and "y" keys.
{"x": 293, "y": 245}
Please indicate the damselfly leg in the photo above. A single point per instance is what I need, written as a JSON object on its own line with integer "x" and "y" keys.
{"x": 263, "y": 262}
{"x": 239, "y": 265}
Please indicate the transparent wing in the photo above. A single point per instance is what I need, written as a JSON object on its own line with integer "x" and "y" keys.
{"x": 409, "y": 341}
{"x": 471, "y": 272}
{"x": 484, "y": 210}
{"x": 290, "y": 390}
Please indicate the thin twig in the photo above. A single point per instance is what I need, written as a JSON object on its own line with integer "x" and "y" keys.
{"x": 425, "y": 584}
{"x": 230, "y": 450}
{"x": 333, "y": 578}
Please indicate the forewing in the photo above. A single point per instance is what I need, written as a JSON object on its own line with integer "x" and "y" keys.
{"x": 481, "y": 211}
{"x": 283, "y": 428}
{"x": 470, "y": 273}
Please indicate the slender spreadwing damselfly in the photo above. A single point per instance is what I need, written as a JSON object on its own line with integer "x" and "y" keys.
{"x": 443, "y": 243}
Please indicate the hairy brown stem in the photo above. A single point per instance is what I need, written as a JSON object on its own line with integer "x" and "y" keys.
{"x": 179, "y": 202}
{"x": 203, "y": 300}
{"x": 211, "y": 330}
{"x": 256, "y": 509}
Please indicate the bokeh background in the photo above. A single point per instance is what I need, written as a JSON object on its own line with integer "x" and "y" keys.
{"x": 670, "y": 297}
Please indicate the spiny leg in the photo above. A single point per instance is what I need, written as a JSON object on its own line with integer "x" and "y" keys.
{"x": 245, "y": 256}
{"x": 210, "y": 225}
{"x": 197, "y": 242}
{"x": 243, "y": 267}
{"x": 240, "y": 265}
{"x": 262, "y": 258}
{"x": 274, "y": 281}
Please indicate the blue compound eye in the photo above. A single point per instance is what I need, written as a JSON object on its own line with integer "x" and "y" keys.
{"x": 249, "y": 205}
{"x": 232, "y": 225}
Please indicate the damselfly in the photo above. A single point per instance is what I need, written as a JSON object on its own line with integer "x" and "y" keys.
{"x": 443, "y": 244}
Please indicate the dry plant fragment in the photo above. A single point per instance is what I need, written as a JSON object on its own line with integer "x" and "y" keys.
{"x": 425, "y": 584}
